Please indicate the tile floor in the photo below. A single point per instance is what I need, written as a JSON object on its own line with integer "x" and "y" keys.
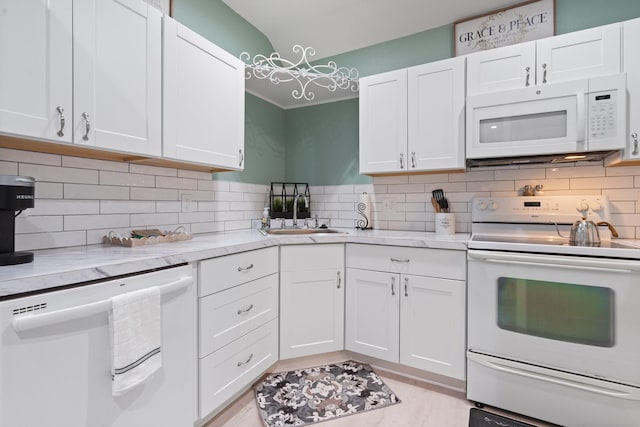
{"x": 421, "y": 405}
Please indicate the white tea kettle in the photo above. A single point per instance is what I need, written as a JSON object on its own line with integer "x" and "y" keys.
{"x": 585, "y": 232}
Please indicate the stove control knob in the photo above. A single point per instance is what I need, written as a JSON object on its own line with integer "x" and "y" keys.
{"x": 595, "y": 205}
{"x": 493, "y": 205}
{"x": 583, "y": 206}
{"x": 482, "y": 205}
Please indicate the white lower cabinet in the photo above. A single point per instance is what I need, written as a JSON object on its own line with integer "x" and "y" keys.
{"x": 311, "y": 299}
{"x": 238, "y": 319}
{"x": 407, "y": 306}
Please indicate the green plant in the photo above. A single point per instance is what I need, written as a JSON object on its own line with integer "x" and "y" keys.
{"x": 276, "y": 205}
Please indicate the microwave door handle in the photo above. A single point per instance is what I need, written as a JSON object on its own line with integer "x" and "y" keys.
{"x": 580, "y": 118}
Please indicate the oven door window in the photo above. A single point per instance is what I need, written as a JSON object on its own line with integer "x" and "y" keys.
{"x": 559, "y": 311}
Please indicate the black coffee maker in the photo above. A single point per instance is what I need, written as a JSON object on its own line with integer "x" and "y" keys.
{"x": 16, "y": 194}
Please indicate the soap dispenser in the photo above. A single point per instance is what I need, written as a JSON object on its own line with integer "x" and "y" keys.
{"x": 265, "y": 223}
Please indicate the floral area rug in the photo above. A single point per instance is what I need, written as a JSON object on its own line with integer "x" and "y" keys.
{"x": 307, "y": 396}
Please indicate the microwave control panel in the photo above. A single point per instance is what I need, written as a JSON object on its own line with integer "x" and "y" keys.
{"x": 602, "y": 114}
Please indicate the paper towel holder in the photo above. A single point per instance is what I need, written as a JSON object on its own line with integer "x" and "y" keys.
{"x": 364, "y": 210}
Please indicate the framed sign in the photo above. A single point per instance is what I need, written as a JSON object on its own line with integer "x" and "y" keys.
{"x": 165, "y": 6}
{"x": 524, "y": 22}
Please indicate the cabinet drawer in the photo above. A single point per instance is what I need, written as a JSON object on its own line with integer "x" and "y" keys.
{"x": 311, "y": 257}
{"x": 218, "y": 274}
{"x": 228, "y": 315}
{"x": 235, "y": 366}
{"x": 445, "y": 263}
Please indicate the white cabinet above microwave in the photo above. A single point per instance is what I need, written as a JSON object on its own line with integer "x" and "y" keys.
{"x": 578, "y": 55}
{"x": 569, "y": 117}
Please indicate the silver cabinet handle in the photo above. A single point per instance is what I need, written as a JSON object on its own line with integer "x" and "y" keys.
{"x": 635, "y": 143}
{"x": 87, "y": 126}
{"x": 544, "y": 73}
{"x": 528, "y": 70}
{"x": 401, "y": 160}
{"x": 241, "y": 156}
{"x": 60, "y": 110}
{"x": 245, "y": 310}
{"x": 248, "y": 267}
{"x": 246, "y": 361}
{"x": 339, "y": 279}
{"x": 393, "y": 285}
{"x": 413, "y": 159}
{"x": 400, "y": 259}
{"x": 406, "y": 286}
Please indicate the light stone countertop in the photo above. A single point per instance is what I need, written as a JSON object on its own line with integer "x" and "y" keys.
{"x": 53, "y": 268}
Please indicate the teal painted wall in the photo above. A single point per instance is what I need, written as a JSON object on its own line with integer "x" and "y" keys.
{"x": 427, "y": 46}
{"x": 321, "y": 142}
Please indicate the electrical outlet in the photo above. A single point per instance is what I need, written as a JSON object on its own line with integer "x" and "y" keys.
{"x": 187, "y": 202}
{"x": 388, "y": 205}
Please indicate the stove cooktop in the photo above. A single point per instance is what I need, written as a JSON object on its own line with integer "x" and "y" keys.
{"x": 550, "y": 245}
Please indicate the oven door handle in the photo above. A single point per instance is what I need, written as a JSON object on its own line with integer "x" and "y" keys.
{"x": 590, "y": 264}
{"x": 618, "y": 391}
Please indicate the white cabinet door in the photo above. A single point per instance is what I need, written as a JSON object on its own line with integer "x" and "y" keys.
{"x": 311, "y": 312}
{"x": 436, "y": 101}
{"x": 35, "y": 69}
{"x": 508, "y": 67}
{"x": 117, "y": 75}
{"x": 631, "y": 65}
{"x": 372, "y": 314}
{"x": 383, "y": 122}
{"x": 578, "y": 55}
{"x": 432, "y": 325}
{"x": 203, "y": 117}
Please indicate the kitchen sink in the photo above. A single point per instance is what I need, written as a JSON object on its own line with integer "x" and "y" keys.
{"x": 303, "y": 231}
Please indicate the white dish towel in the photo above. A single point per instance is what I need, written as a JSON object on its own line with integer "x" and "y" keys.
{"x": 135, "y": 324}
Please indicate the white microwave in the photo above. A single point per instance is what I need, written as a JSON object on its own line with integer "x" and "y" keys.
{"x": 568, "y": 117}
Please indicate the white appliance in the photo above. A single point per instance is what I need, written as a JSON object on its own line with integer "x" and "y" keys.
{"x": 552, "y": 328}
{"x": 561, "y": 118}
{"x": 55, "y": 357}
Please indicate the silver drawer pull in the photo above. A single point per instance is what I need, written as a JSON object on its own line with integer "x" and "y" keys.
{"x": 528, "y": 70}
{"x": 249, "y": 267}
{"x": 400, "y": 259}
{"x": 406, "y": 286}
{"x": 544, "y": 73}
{"x": 246, "y": 361}
{"x": 393, "y": 285}
{"x": 60, "y": 110}
{"x": 245, "y": 310}
{"x": 635, "y": 143}
{"x": 87, "y": 126}
{"x": 339, "y": 279}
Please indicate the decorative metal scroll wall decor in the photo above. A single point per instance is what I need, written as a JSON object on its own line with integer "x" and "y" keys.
{"x": 279, "y": 70}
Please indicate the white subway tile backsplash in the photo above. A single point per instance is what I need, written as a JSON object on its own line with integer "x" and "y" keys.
{"x": 48, "y": 190}
{"x": 64, "y": 207}
{"x": 491, "y": 186}
{"x": 227, "y": 196}
{"x": 87, "y": 222}
{"x": 575, "y": 171}
{"x": 143, "y": 220}
{"x": 58, "y": 174}
{"x": 406, "y": 188}
{"x": 192, "y": 217}
{"x": 163, "y": 206}
{"x": 20, "y": 156}
{"x": 127, "y": 179}
{"x": 179, "y": 183}
{"x": 139, "y": 193}
{"x": 152, "y": 170}
{"x": 127, "y": 206}
{"x": 7, "y": 168}
{"x": 30, "y": 242}
{"x": 83, "y": 163}
{"x": 602, "y": 182}
{"x": 204, "y": 176}
{"x": 97, "y": 192}
{"x": 38, "y": 224}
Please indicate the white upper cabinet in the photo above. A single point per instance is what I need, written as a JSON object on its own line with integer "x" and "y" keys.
{"x": 383, "y": 122}
{"x": 631, "y": 66}
{"x": 35, "y": 69}
{"x": 412, "y": 119}
{"x": 117, "y": 75}
{"x": 93, "y": 80}
{"x": 581, "y": 54}
{"x": 203, "y": 99}
{"x": 436, "y": 116}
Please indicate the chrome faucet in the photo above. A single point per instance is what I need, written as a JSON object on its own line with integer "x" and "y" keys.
{"x": 295, "y": 208}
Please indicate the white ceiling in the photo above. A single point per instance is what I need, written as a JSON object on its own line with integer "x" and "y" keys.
{"x": 332, "y": 27}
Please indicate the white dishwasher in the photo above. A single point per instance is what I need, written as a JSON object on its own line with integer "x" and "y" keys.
{"x": 55, "y": 366}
